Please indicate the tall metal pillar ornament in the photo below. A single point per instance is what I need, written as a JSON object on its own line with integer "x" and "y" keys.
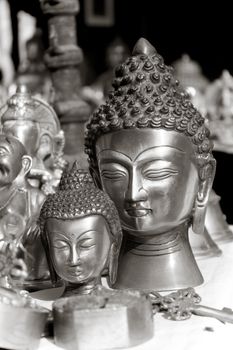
{"x": 63, "y": 59}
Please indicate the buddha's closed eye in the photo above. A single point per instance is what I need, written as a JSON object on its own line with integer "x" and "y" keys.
{"x": 113, "y": 174}
{"x": 86, "y": 243}
{"x": 159, "y": 174}
{"x": 61, "y": 245}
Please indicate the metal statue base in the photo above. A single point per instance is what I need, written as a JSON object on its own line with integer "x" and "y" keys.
{"x": 109, "y": 319}
{"x": 163, "y": 262}
{"x": 21, "y": 327}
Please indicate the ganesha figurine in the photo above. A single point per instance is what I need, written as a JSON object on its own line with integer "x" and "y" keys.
{"x": 35, "y": 123}
{"x": 20, "y": 202}
{"x": 81, "y": 233}
{"x": 150, "y": 150}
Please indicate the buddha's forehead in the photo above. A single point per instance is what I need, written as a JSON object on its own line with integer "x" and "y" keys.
{"x": 137, "y": 142}
{"x": 73, "y": 228}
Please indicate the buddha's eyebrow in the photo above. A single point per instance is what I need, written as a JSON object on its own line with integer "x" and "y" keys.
{"x": 60, "y": 234}
{"x": 107, "y": 155}
{"x": 161, "y": 146}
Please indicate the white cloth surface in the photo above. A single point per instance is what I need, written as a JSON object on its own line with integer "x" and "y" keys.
{"x": 197, "y": 333}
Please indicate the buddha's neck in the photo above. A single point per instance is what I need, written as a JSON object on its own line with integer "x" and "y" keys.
{"x": 159, "y": 262}
{"x": 159, "y": 244}
{"x": 81, "y": 288}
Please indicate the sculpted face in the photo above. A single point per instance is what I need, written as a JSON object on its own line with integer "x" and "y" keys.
{"x": 79, "y": 248}
{"x": 152, "y": 177}
{"x": 10, "y": 162}
{"x": 26, "y": 131}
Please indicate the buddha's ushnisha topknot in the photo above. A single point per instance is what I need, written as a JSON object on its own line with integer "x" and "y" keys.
{"x": 146, "y": 95}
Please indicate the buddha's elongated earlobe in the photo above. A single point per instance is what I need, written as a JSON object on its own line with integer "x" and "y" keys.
{"x": 95, "y": 176}
{"x": 113, "y": 263}
{"x": 206, "y": 177}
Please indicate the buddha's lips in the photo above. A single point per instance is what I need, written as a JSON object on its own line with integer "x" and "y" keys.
{"x": 74, "y": 270}
{"x": 137, "y": 210}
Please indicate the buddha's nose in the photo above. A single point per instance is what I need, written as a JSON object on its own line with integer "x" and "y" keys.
{"x": 74, "y": 258}
{"x": 135, "y": 191}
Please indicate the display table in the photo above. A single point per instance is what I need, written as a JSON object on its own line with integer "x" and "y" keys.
{"x": 197, "y": 333}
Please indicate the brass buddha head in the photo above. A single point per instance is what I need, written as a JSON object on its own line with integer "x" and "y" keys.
{"x": 81, "y": 230}
{"x": 149, "y": 148}
{"x": 36, "y": 125}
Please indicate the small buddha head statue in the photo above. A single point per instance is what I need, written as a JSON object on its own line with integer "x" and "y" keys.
{"x": 36, "y": 125}
{"x": 149, "y": 148}
{"x": 81, "y": 230}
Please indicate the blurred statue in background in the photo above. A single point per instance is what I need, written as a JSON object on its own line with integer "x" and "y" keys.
{"x": 81, "y": 231}
{"x": 32, "y": 72}
{"x": 219, "y": 101}
{"x": 116, "y": 53}
{"x": 36, "y": 125}
{"x": 190, "y": 75}
{"x": 150, "y": 150}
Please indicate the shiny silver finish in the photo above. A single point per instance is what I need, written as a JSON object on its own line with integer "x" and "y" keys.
{"x": 150, "y": 150}
{"x": 81, "y": 233}
{"x": 180, "y": 305}
{"x": 107, "y": 320}
{"x": 216, "y": 222}
{"x": 79, "y": 248}
{"x": 150, "y": 182}
{"x": 143, "y": 178}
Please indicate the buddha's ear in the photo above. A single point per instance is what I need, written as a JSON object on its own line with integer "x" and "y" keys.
{"x": 26, "y": 164}
{"x": 45, "y": 242}
{"x": 206, "y": 178}
{"x": 95, "y": 176}
{"x": 113, "y": 264}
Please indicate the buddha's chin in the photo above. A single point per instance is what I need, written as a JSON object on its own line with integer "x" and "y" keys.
{"x": 139, "y": 225}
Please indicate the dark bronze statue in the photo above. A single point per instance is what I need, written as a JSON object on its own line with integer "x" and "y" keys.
{"x": 150, "y": 150}
{"x": 81, "y": 233}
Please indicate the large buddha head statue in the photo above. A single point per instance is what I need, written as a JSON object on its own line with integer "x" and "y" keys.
{"x": 81, "y": 232}
{"x": 36, "y": 125}
{"x": 150, "y": 150}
